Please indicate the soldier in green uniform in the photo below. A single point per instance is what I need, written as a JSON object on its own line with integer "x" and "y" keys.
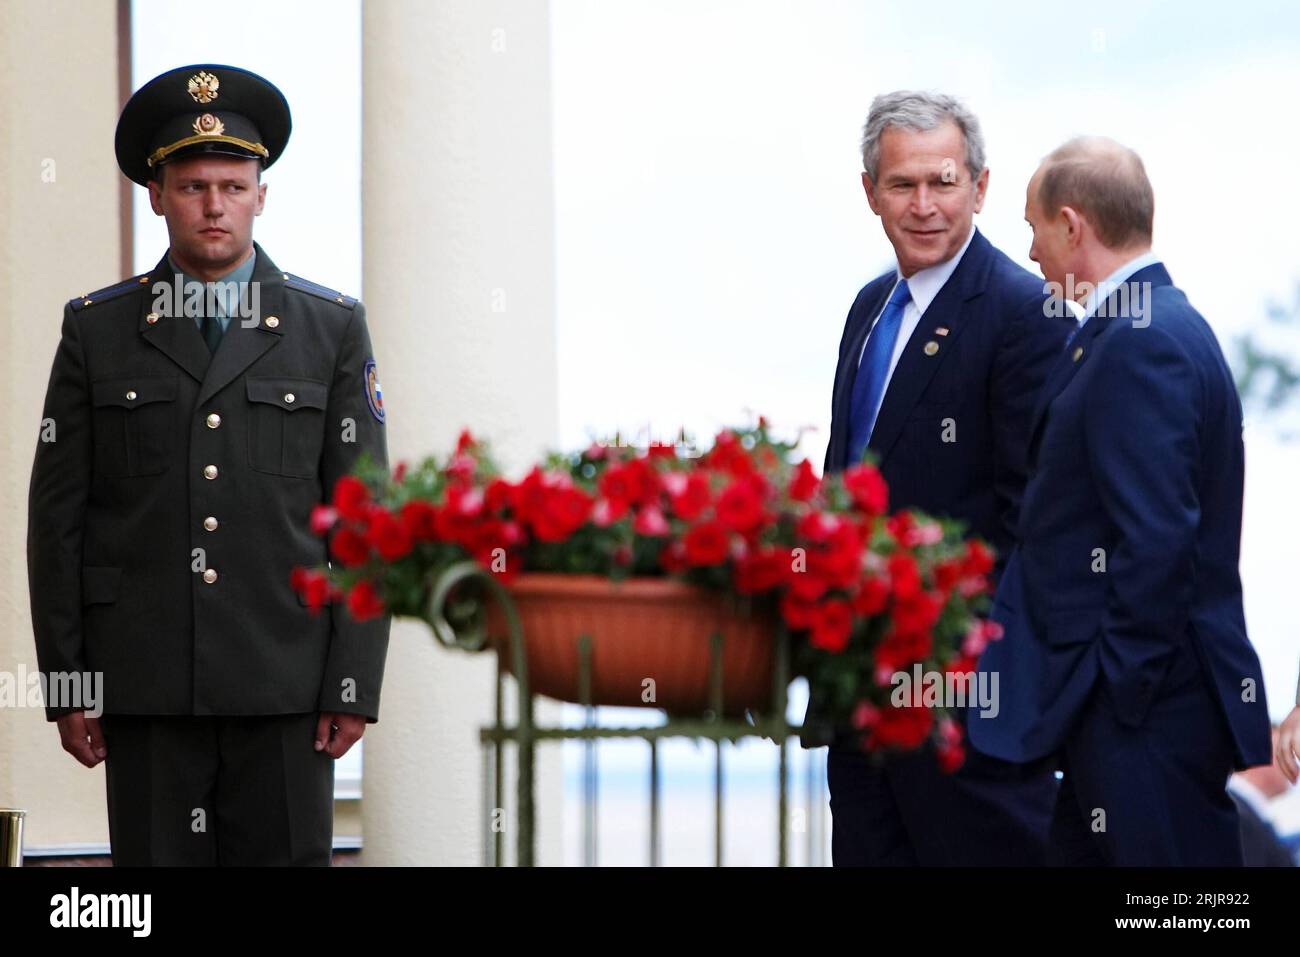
{"x": 185, "y": 440}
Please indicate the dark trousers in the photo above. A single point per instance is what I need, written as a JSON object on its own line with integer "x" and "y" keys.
{"x": 1153, "y": 795}
{"x": 208, "y": 791}
{"x": 906, "y": 812}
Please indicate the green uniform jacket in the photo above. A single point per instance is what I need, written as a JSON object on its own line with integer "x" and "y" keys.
{"x": 161, "y": 448}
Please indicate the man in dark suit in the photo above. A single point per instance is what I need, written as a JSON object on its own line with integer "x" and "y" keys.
{"x": 194, "y": 417}
{"x": 1126, "y": 655}
{"x": 939, "y": 365}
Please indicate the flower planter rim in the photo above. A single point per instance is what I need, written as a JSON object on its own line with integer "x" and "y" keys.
{"x": 584, "y": 586}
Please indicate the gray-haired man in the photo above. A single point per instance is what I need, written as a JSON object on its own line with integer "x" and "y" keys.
{"x": 939, "y": 366}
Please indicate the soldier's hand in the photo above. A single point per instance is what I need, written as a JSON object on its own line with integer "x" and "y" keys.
{"x": 83, "y": 739}
{"x": 1287, "y": 746}
{"x": 337, "y": 731}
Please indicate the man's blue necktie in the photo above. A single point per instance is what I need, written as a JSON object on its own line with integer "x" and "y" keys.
{"x": 873, "y": 372}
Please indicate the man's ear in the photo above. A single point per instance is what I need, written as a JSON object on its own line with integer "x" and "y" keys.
{"x": 1073, "y": 223}
{"x": 261, "y": 198}
{"x": 870, "y": 189}
{"x": 155, "y": 197}
{"x": 981, "y": 187}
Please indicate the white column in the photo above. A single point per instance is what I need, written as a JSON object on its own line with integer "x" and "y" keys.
{"x": 459, "y": 284}
{"x": 59, "y": 222}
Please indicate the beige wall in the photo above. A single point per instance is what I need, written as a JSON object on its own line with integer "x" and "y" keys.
{"x": 58, "y": 239}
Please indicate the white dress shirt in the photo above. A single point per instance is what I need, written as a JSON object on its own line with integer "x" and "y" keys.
{"x": 924, "y": 285}
{"x": 1111, "y": 283}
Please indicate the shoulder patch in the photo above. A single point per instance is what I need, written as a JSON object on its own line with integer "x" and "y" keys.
{"x": 321, "y": 292}
{"x": 109, "y": 292}
{"x": 374, "y": 396}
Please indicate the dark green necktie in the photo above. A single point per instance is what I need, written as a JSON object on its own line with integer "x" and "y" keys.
{"x": 212, "y": 332}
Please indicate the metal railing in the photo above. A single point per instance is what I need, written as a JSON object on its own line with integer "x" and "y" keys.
{"x": 470, "y": 634}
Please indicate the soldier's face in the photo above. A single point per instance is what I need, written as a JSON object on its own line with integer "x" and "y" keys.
{"x": 209, "y": 203}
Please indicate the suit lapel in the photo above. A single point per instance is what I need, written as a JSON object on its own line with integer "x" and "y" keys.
{"x": 242, "y": 345}
{"x": 176, "y": 335}
{"x": 1083, "y": 345}
{"x": 917, "y": 366}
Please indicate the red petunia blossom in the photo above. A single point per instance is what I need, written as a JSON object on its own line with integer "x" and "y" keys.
{"x": 868, "y": 489}
{"x": 351, "y": 496}
{"x": 818, "y": 527}
{"x": 498, "y": 496}
{"x": 904, "y": 577}
{"x": 350, "y": 547}
{"x": 832, "y": 626}
{"x": 871, "y": 597}
{"x": 905, "y": 728}
{"x": 650, "y": 522}
{"x": 389, "y": 536}
{"x": 563, "y": 511}
{"x": 629, "y": 483}
{"x": 465, "y": 441}
{"x": 917, "y": 612}
{"x": 421, "y": 520}
{"x": 799, "y": 615}
{"x": 314, "y": 586}
{"x": 900, "y": 650}
{"x": 689, "y": 494}
{"x": 762, "y": 570}
{"x": 323, "y": 518}
{"x": 364, "y": 601}
{"x": 661, "y": 450}
{"x": 740, "y": 507}
{"x": 804, "y": 484}
{"x": 707, "y": 543}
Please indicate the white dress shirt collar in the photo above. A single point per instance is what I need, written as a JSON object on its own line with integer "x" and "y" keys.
{"x": 1114, "y": 281}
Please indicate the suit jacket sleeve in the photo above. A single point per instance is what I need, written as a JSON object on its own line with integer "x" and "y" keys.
{"x": 354, "y": 669}
{"x": 1141, "y": 429}
{"x": 1030, "y": 344}
{"x": 56, "y": 508}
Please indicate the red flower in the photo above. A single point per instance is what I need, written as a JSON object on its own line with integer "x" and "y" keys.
{"x": 399, "y": 472}
{"x": 364, "y": 602}
{"x": 740, "y": 507}
{"x": 917, "y": 612}
{"x": 707, "y": 544}
{"x": 350, "y": 547}
{"x": 389, "y": 536}
{"x": 905, "y": 728}
{"x": 689, "y": 494}
{"x": 871, "y": 597}
{"x": 351, "y": 496}
{"x": 832, "y": 626}
{"x": 631, "y": 483}
{"x": 313, "y": 585}
{"x": 498, "y": 496}
{"x": 761, "y": 571}
{"x": 804, "y": 484}
{"x": 465, "y": 441}
{"x": 904, "y": 577}
{"x": 799, "y": 615}
{"x": 951, "y": 757}
{"x": 900, "y": 649}
{"x": 563, "y": 512}
{"x": 323, "y": 518}
{"x": 868, "y": 488}
{"x": 650, "y": 522}
{"x": 421, "y": 520}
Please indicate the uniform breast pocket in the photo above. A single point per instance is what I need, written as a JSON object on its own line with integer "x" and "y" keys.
{"x": 286, "y": 424}
{"x": 134, "y": 422}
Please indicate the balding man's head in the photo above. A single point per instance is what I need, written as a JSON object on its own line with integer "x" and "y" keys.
{"x": 1104, "y": 182}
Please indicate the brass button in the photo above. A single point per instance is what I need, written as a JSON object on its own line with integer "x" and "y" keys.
{"x": 151, "y": 318}
{"x": 210, "y": 472}
{"x": 210, "y": 523}
{"x": 289, "y": 397}
{"x": 130, "y": 394}
{"x": 272, "y": 322}
{"x": 210, "y": 575}
{"x": 214, "y": 420}
{"x": 931, "y": 348}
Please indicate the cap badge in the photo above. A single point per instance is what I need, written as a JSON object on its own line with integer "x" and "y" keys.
{"x": 209, "y": 125}
{"x": 203, "y": 87}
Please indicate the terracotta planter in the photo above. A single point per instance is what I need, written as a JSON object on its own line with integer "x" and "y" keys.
{"x": 640, "y": 628}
